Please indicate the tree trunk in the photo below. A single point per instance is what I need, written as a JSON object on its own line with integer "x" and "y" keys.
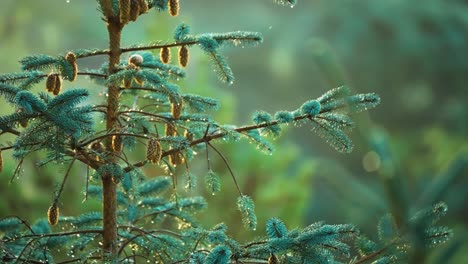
{"x": 109, "y": 194}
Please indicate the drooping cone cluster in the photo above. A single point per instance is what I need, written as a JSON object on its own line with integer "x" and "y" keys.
{"x": 273, "y": 259}
{"x": 153, "y": 150}
{"x": 175, "y": 158}
{"x": 183, "y": 56}
{"x": 127, "y": 81}
{"x": 176, "y": 107}
{"x": 165, "y": 54}
{"x": 134, "y": 62}
{"x": 53, "y": 214}
{"x": 170, "y": 130}
{"x": 69, "y": 71}
{"x": 54, "y": 83}
{"x": 135, "y": 59}
{"x": 24, "y": 123}
{"x": 173, "y": 7}
{"x": 116, "y": 143}
{"x": 70, "y": 57}
{"x": 188, "y": 135}
{"x": 130, "y": 10}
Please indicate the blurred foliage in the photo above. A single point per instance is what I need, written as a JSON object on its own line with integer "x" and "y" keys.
{"x": 413, "y": 53}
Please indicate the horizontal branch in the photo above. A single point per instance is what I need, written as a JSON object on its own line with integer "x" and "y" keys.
{"x": 242, "y": 129}
{"x": 162, "y": 231}
{"x": 45, "y": 75}
{"x": 70, "y": 233}
{"x": 80, "y": 260}
{"x": 85, "y": 143}
{"x": 168, "y": 45}
{"x": 11, "y": 131}
{"x": 146, "y": 114}
{"x": 104, "y": 76}
{"x": 208, "y": 138}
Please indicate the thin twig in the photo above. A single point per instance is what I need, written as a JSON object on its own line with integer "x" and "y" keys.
{"x": 146, "y": 113}
{"x": 78, "y": 260}
{"x": 228, "y": 166}
{"x": 87, "y": 184}
{"x": 24, "y": 222}
{"x": 142, "y": 233}
{"x": 207, "y": 156}
{"x": 162, "y": 231}
{"x": 85, "y": 143}
{"x": 104, "y": 76}
{"x": 69, "y": 233}
{"x": 18, "y": 167}
{"x": 11, "y": 131}
{"x": 64, "y": 180}
{"x": 376, "y": 253}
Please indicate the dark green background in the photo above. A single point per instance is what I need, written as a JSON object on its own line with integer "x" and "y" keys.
{"x": 414, "y": 54}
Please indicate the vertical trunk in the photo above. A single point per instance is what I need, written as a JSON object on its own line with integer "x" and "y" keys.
{"x": 109, "y": 188}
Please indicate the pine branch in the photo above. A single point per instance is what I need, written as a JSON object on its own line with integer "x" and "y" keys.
{"x": 162, "y": 231}
{"x": 11, "y": 131}
{"x": 80, "y": 260}
{"x": 94, "y": 74}
{"x": 219, "y": 38}
{"x": 166, "y": 119}
{"x": 208, "y": 138}
{"x": 23, "y": 260}
{"x": 22, "y": 77}
{"x": 37, "y": 237}
{"x": 109, "y": 135}
{"x": 69, "y": 233}
{"x": 142, "y": 232}
{"x": 376, "y": 253}
{"x": 152, "y": 214}
{"x": 24, "y": 222}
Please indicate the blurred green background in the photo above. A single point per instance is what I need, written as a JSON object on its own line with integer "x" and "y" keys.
{"x": 410, "y": 152}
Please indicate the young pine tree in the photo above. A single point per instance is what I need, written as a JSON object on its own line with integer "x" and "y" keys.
{"x": 138, "y": 222}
